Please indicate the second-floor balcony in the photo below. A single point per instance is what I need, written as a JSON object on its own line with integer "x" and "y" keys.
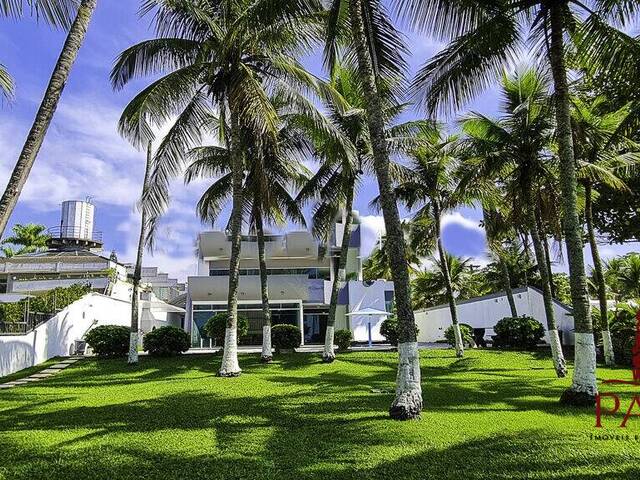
{"x": 217, "y": 245}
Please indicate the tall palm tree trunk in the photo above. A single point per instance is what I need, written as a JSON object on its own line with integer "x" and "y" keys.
{"x": 408, "y": 400}
{"x": 444, "y": 267}
{"x": 266, "y": 356}
{"x": 552, "y": 328}
{"x": 584, "y": 388}
{"x": 607, "y": 345}
{"x": 506, "y": 280}
{"x": 45, "y": 113}
{"x": 329, "y": 355}
{"x": 229, "y": 366}
{"x": 137, "y": 272}
{"x": 547, "y": 256}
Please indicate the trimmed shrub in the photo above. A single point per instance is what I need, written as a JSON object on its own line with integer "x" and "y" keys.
{"x": 343, "y": 338}
{"x": 166, "y": 342}
{"x": 216, "y": 327}
{"x": 285, "y": 337}
{"x": 109, "y": 340}
{"x": 518, "y": 332}
{"x": 389, "y": 329}
{"x": 465, "y": 330}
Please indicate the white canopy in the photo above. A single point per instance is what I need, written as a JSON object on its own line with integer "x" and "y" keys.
{"x": 369, "y": 311}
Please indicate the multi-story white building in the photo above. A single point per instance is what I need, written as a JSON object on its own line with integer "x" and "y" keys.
{"x": 300, "y": 274}
{"x": 163, "y": 287}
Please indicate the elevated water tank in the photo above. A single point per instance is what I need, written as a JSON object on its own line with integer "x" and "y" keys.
{"x": 75, "y": 230}
{"x": 77, "y": 219}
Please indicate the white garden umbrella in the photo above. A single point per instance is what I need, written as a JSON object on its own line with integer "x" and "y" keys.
{"x": 369, "y": 312}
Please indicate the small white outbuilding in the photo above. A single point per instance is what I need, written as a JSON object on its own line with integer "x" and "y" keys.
{"x": 486, "y": 311}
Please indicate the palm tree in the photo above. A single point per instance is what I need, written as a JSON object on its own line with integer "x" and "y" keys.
{"x": 600, "y": 150}
{"x": 336, "y": 183}
{"x": 511, "y": 151}
{"x": 226, "y": 55}
{"x": 428, "y": 182}
{"x": 30, "y": 238}
{"x": 137, "y": 272}
{"x": 428, "y": 286}
{"x": 364, "y": 30}
{"x": 498, "y": 232}
{"x": 484, "y": 36}
{"x": 623, "y": 276}
{"x": 51, "y": 10}
{"x": 57, "y": 13}
{"x": 272, "y": 175}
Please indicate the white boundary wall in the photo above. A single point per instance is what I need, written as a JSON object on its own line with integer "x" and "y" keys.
{"x": 485, "y": 313}
{"x": 56, "y": 336}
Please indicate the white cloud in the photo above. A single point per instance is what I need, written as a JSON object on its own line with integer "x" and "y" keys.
{"x": 371, "y": 228}
{"x": 456, "y": 218}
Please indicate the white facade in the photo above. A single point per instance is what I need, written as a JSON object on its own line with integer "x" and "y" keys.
{"x": 377, "y": 295}
{"x": 485, "y": 312}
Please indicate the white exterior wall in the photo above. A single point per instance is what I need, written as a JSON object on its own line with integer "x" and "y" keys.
{"x": 362, "y": 296}
{"x": 56, "y": 337}
{"x": 486, "y": 313}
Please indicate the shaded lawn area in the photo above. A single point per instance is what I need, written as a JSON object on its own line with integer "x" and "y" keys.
{"x": 491, "y": 415}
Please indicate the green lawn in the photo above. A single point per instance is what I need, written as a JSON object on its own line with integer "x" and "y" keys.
{"x": 489, "y": 415}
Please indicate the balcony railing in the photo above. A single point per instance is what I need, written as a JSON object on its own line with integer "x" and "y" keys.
{"x": 67, "y": 232}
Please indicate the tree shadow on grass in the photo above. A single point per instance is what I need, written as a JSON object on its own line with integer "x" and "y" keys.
{"x": 312, "y": 451}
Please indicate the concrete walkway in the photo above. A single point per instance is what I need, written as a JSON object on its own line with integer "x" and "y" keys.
{"x": 42, "y": 374}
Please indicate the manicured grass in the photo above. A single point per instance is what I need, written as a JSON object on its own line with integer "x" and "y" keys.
{"x": 491, "y": 415}
{"x": 25, "y": 372}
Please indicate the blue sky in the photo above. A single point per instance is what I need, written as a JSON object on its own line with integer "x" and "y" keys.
{"x": 83, "y": 154}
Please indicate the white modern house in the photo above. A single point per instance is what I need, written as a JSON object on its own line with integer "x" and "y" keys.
{"x": 486, "y": 311}
{"x": 300, "y": 274}
{"x": 162, "y": 286}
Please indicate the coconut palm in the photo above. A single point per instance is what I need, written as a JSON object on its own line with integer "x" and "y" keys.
{"x": 512, "y": 151}
{"x": 361, "y": 29}
{"x": 55, "y": 11}
{"x": 601, "y": 150}
{"x": 428, "y": 285}
{"x": 336, "y": 182}
{"x": 498, "y": 234}
{"x": 29, "y": 238}
{"x": 267, "y": 199}
{"x": 132, "y": 359}
{"x": 429, "y": 183}
{"x": 623, "y": 276}
{"x": 486, "y": 35}
{"x": 227, "y": 56}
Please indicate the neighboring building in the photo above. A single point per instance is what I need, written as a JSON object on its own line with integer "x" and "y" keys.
{"x": 163, "y": 287}
{"x": 486, "y": 311}
{"x": 73, "y": 257}
{"x": 300, "y": 272}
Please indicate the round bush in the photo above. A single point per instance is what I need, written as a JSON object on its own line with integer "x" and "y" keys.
{"x": 216, "y": 327}
{"x": 343, "y": 338}
{"x": 285, "y": 337}
{"x": 166, "y": 342}
{"x": 389, "y": 329}
{"x": 465, "y": 330}
{"x": 109, "y": 340}
{"x": 518, "y": 332}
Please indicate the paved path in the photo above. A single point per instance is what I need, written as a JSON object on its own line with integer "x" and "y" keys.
{"x": 42, "y": 374}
